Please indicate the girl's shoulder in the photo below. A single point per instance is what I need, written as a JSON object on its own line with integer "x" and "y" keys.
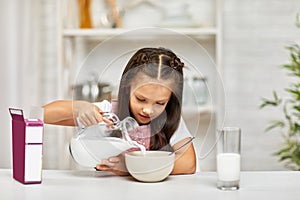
{"x": 181, "y": 133}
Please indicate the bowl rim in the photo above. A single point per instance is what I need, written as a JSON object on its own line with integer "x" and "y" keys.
{"x": 165, "y": 154}
{"x": 138, "y": 154}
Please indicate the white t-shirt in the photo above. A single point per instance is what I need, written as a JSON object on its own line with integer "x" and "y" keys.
{"x": 181, "y": 133}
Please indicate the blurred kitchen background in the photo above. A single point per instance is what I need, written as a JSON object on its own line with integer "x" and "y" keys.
{"x": 44, "y": 46}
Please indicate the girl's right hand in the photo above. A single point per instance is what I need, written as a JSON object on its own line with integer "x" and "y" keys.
{"x": 88, "y": 114}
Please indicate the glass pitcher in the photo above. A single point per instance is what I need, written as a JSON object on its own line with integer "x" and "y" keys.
{"x": 94, "y": 143}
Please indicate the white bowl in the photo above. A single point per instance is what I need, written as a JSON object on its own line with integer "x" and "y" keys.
{"x": 154, "y": 166}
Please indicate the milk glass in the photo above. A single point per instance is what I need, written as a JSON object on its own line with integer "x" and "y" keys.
{"x": 229, "y": 158}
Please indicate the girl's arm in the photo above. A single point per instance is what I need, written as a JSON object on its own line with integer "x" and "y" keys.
{"x": 59, "y": 112}
{"x": 66, "y": 112}
{"x": 185, "y": 159}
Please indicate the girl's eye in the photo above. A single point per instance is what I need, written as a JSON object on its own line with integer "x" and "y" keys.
{"x": 160, "y": 103}
{"x": 140, "y": 99}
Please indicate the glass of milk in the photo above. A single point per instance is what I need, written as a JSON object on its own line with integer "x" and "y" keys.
{"x": 229, "y": 158}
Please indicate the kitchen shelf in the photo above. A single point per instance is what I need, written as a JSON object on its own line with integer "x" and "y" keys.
{"x": 70, "y": 50}
{"x": 104, "y": 33}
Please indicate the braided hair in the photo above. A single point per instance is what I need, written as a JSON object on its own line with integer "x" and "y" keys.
{"x": 161, "y": 64}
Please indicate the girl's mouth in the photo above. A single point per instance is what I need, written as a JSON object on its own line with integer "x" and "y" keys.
{"x": 144, "y": 118}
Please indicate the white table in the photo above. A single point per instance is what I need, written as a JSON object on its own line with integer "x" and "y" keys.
{"x": 84, "y": 185}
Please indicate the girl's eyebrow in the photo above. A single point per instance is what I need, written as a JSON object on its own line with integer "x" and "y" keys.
{"x": 142, "y": 96}
{"x": 137, "y": 94}
{"x": 161, "y": 100}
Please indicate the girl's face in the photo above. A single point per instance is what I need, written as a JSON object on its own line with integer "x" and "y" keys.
{"x": 148, "y": 101}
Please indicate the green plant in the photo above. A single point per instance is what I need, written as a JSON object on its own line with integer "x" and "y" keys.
{"x": 290, "y": 125}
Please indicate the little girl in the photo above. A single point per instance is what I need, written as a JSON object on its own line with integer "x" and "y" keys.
{"x": 150, "y": 91}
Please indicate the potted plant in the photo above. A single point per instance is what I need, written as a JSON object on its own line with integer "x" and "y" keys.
{"x": 289, "y": 126}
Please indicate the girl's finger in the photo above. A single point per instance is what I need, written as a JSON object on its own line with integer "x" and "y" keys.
{"x": 114, "y": 160}
{"x": 83, "y": 121}
{"x": 98, "y": 117}
{"x": 103, "y": 168}
{"x": 107, "y": 121}
{"x": 108, "y": 163}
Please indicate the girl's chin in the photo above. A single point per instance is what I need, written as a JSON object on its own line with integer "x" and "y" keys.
{"x": 144, "y": 122}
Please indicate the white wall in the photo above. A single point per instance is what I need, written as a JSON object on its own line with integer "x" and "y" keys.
{"x": 255, "y": 35}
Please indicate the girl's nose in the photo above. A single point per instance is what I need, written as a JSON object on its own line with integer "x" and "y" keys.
{"x": 148, "y": 110}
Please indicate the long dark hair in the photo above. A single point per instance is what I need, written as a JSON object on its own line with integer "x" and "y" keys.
{"x": 162, "y": 64}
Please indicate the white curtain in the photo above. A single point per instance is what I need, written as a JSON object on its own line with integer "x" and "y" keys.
{"x": 8, "y": 77}
{"x": 28, "y": 72}
{"x": 19, "y": 72}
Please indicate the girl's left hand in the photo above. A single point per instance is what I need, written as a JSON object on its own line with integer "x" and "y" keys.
{"x": 115, "y": 165}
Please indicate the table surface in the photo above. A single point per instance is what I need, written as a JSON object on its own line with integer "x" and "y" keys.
{"x": 83, "y": 185}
